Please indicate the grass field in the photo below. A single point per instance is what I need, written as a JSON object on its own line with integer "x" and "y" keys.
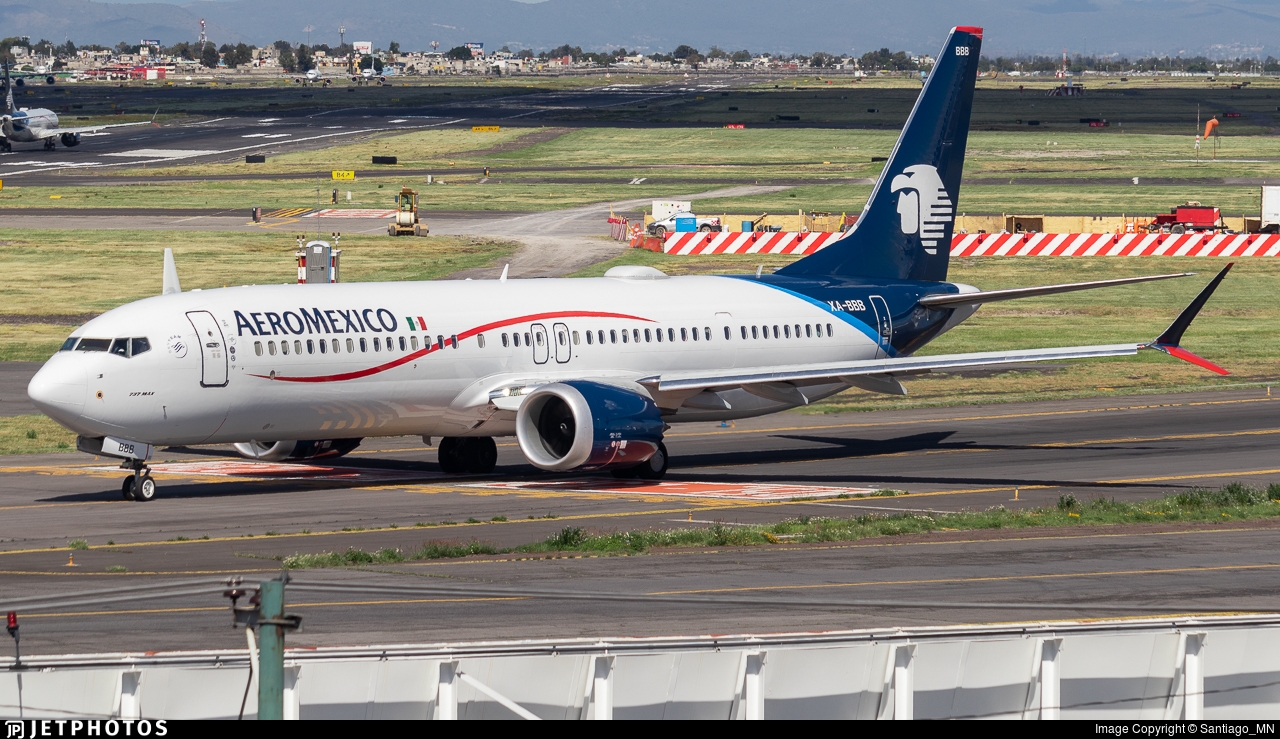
{"x": 61, "y": 273}
{"x": 1239, "y": 328}
{"x": 1232, "y": 502}
{"x": 1072, "y": 172}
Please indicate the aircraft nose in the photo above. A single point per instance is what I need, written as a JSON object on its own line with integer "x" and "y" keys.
{"x": 58, "y": 389}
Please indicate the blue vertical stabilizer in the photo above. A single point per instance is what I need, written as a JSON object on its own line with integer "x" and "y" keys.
{"x": 905, "y": 230}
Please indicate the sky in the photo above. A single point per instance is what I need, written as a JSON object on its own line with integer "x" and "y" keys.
{"x": 1220, "y": 28}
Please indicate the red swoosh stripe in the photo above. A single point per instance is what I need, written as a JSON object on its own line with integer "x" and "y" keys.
{"x": 431, "y": 348}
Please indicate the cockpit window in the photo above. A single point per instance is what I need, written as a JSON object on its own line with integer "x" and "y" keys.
{"x": 120, "y": 347}
{"x": 69, "y": 344}
{"x": 93, "y": 345}
{"x": 140, "y": 345}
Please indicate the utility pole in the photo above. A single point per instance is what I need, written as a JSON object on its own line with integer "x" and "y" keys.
{"x": 266, "y": 611}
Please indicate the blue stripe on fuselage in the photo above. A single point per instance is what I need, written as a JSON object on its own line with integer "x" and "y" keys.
{"x": 871, "y": 332}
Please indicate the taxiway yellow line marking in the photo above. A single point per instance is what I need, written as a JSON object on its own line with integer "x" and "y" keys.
{"x": 964, "y": 580}
{"x": 994, "y": 417}
{"x": 329, "y": 604}
{"x": 61, "y": 505}
{"x": 73, "y": 573}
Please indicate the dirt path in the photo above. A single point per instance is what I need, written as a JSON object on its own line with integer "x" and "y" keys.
{"x": 560, "y": 242}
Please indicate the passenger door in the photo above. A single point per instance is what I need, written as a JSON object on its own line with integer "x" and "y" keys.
{"x": 541, "y": 348}
{"x": 884, "y": 324}
{"x": 564, "y": 349}
{"x": 213, "y": 350}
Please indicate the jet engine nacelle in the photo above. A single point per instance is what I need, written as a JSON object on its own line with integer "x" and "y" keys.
{"x": 70, "y": 139}
{"x": 583, "y": 425}
{"x": 281, "y": 451}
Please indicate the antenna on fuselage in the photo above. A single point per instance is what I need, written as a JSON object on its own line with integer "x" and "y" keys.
{"x": 171, "y": 284}
{"x": 505, "y": 267}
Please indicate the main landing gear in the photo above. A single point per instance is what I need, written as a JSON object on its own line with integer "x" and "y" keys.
{"x": 49, "y": 145}
{"x": 5, "y": 146}
{"x": 139, "y": 486}
{"x": 475, "y": 455}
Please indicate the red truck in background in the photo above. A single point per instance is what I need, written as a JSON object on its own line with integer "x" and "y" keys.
{"x": 1191, "y": 217}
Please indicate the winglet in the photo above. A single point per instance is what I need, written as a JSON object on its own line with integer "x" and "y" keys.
{"x": 171, "y": 284}
{"x": 1168, "y": 342}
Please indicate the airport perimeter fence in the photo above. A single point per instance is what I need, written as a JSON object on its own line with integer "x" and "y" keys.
{"x": 1192, "y": 668}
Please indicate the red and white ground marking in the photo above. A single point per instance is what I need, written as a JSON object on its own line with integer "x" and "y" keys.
{"x": 279, "y": 471}
{"x": 351, "y": 213}
{"x": 747, "y": 242}
{"x": 717, "y": 490}
{"x": 995, "y": 245}
{"x": 1115, "y": 245}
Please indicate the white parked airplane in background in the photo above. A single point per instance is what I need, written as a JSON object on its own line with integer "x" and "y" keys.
{"x": 585, "y": 373}
{"x": 29, "y": 125}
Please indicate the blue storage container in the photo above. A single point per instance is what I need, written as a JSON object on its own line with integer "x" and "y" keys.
{"x": 747, "y": 226}
{"x": 686, "y": 224}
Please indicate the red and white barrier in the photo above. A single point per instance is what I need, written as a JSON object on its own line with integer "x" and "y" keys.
{"x": 747, "y": 242}
{"x": 1115, "y": 245}
{"x": 995, "y": 245}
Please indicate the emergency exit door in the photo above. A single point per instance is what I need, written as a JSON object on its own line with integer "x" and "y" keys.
{"x": 541, "y": 345}
{"x": 884, "y": 324}
{"x": 564, "y": 349}
{"x": 213, "y": 350}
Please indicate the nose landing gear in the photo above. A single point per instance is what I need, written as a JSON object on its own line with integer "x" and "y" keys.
{"x": 139, "y": 486}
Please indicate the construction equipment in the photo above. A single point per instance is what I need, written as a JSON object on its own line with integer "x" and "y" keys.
{"x": 1190, "y": 217}
{"x": 406, "y": 222}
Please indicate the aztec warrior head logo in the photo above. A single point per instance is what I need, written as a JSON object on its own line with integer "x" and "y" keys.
{"x": 923, "y": 205}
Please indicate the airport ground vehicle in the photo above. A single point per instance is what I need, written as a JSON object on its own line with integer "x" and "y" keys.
{"x": 587, "y": 374}
{"x": 701, "y": 223}
{"x": 406, "y": 221}
{"x": 1191, "y": 217}
{"x": 1270, "y": 209}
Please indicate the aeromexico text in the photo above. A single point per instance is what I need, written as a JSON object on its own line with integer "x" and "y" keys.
{"x": 317, "y": 321}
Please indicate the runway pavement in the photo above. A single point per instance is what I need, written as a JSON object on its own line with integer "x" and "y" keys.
{"x": 389, "y": 493}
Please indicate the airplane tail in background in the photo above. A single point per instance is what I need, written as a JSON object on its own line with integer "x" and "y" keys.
{"x": 905, "y": 230}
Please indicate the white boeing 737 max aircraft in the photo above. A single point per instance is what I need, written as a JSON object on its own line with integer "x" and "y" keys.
{"x": 586, "y": 373}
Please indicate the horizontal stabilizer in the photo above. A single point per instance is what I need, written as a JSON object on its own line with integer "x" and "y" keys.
{"x": 991, "y": 296}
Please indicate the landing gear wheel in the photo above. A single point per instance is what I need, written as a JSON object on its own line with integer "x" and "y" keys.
{"x": 127, "y": 488}
{"x": 655, "y": 467}
{"x": 482, "y": 456}
{"x": 146, "y": 490}
{"x": 448, "y": 455}
{"x": 49, "y": 145}
{"x": 5, "y": 146}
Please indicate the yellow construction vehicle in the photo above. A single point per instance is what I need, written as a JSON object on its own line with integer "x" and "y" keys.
{"x": 406, "y": 222}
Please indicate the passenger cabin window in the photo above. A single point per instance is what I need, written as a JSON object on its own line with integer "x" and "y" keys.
{"x": 311, "y": 346}
{"x": 575, "y": 338}
{"x": 284, "y": 348}
{"x": 671, "y": 334}
{"x": 786, "y": 330}
{"x": 324, "y": 347}
{"x": 729, "y": 334}
{"x": 413, "y": 343}
{"x": 351, "y": 346}
{"x": 828, "y": 329}
{"x": 528, "y": 339}
{"x": 454, "y": 340}
{"x": 626, "y": 336}
{"x": 297, "y": 346}
{"x": 600, "y": 335}
{"x": 808, "y": 331}
{"x": 706, "y": 332}
{"x": 257, "y": 348}
{"x": 613, "y": 336}
{"x": 505, "y": 340}
{"x": 590, "y": 338}
{"x": 337, "y": 346}
{"x": 754, "y": 333}
{"x": 403, "y": 345}
{"x": 364, "y": 345}
{"x": 377, "y": 344}
{"x": 659, "y": 332}
{"x": 480, "y": 340}
{"x": 635, "y": 335}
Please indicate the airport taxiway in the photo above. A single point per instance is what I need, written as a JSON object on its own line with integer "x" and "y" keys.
{"x": 390, "y": 494}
